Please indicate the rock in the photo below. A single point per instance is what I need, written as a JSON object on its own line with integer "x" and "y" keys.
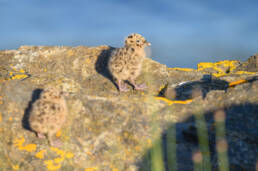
{"x": 251, "y": 65}
{"x": 110, "y": 130}
{"x": 193, "y": 89}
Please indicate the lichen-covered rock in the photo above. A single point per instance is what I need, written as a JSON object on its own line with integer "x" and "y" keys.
{"x": 250, "y": 65}
{"x": 109, "y": 130}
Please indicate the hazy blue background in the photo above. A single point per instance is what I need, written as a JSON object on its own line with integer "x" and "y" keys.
{"x": 182, "y": 32}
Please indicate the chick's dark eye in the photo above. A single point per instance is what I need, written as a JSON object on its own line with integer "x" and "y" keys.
{"x": 137, "y": 41}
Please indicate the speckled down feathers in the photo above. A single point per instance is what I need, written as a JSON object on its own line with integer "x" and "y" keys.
{"x": 126, "y": 62}
{"x": 48, "y": 113}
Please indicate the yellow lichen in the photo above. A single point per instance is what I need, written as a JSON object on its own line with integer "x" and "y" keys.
{"x": 234, "y": 83}
{"x": 10, "y": 118}
{"x": 149, "y": 142}
{"x": 170, "y": 102}
{"x": 19, "y": 144}
{"x": 58, "y": 134}
{"x": 58, "y": 151}
{"x": 56, "y": 162}
{"x": 40, "y": 154}
{"x": 17, "y": 74}
{"x": 16, "y": 167}
{"x": 162, "y": 87}
{"x": 70, "y": 53}
{"x": 90, "y": 169}
{"x": 58, "y": 159}
{"x": 22, "y": 71}
{"x": 88, "y": 61}
{"x": 182, "y": 69}
{"x": 69, "y": 155}
{"x": 51, "y": 166}
{"x": 0, "y": 117}
{"x": 19, "y": 77}
{"x": 29, "y": 147}
{"x": 244, "y": 72}
{"x": 137, "y": 148}
{"x": 230, "y": 65}
{"x": 88, "y": 153}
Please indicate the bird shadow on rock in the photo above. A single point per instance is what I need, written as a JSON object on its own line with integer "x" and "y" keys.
{"x": 181, "y": 141}
{"x": 101, "y": 64}
{"x": 191, "y": 89}
{"x": 25, "y": 120}
{"x": 252, "y": 79}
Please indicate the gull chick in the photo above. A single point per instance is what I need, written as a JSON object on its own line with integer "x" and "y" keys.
{"x": 48, "y": 114}
{"x": 125, "y": 63}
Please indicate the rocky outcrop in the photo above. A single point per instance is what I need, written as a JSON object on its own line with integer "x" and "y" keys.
{"x": 250, "y": 65}
{"x": 108, "y": 130}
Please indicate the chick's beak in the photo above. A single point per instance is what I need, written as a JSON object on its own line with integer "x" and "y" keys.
{"x": 148, "y": 43}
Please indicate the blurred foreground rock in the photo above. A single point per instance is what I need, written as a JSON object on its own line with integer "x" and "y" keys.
{"x": 108, "y": 130}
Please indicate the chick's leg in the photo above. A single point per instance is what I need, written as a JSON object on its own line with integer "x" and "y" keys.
{"x": 138, "y": 86}
{"x": 54, "y": 143}
{"x": 40, "y": 135}
{"x": 121, "y": 86}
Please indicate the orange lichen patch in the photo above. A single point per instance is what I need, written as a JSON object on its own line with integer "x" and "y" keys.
{"x": 17, "y": 74}
{"x": 170, "y": 102}
{"x": 58, "y": 134}
{"x": 114, "y": 169}
{"x": 162, "y": 87}
{"x": 70, "y": 53}
{"x": 149, "y": 142}
{"x": 58, "y": 159}
{"x": 90, "y": 169}
{"x": 16, "y": 167}
{"x": 234, "y": 83}
{"x": 10, "y": 119}
{"x": 45, "y": 70}
{"x": 137, "y": 148}
{"x": 22, "y": 71}
{"x": 56, "y": 162}
{"x": 89, "y": 153}
{"x": 88, "y": 60}
{"x": 51, "y": 166}
{"x": 182, "y": 69}
{"x": 231, "y": 65}
{"x": 244, "y": 72}
{"x": 1, "y": 100}
{"x": 219, "y": 74}
{"x": 19, "y": 77}
{"x": 40, "y": 154}
{"x": 58, "y": 151}
{"x": 0, "y": 117}
{"x": 69, "y": 155}
{"x": 19, "y": 144}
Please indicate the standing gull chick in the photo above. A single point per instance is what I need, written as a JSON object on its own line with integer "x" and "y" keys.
{"x": 48, "y": 114}
{"x": 125, "y": 63}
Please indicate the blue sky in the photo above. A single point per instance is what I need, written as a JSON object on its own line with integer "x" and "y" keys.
{"x": 182, "y": 33}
